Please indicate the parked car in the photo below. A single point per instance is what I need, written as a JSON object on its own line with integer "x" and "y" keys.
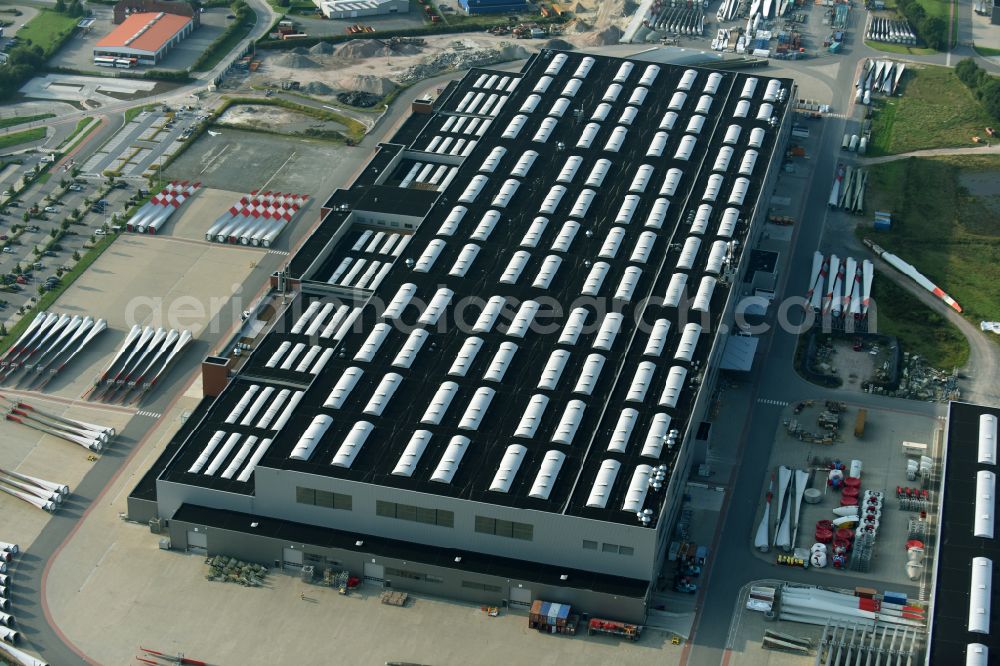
{"x": 8, "y": 250}
{"x": 51, "y": 209}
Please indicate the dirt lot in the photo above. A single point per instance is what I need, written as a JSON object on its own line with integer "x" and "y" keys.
{"x": 274, "y": 119}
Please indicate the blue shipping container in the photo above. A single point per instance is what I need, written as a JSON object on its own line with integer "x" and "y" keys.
{"x": 883, "y": 224}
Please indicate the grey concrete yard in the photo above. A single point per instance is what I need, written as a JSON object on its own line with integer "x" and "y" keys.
{"x": 880, "y": 451}
{"x": 160, "y": 599}
{"x": 240, "y": 161}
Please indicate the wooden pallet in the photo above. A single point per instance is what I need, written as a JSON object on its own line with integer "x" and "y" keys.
{"x": 394, "y": 598}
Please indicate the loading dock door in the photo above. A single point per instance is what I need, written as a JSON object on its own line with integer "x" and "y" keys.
{"x": 520, "y": 596}
{"x": 374, "y": 573}
{"x": 197, "y": 541}
{"x": 291, "y": 557}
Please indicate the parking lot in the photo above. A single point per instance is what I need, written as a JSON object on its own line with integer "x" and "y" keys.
{"x": 78, "y": 53}
{"x": 20, "y": 251}
{"x": 142, "y": 145}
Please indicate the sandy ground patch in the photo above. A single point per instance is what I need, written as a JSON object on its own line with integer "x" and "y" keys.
{"x": 274, "y": 119}
{"x": 333, "y": 70}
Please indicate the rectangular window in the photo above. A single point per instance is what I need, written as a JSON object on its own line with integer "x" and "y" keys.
{"x": 433, "y": 579}
{"x": 505, "y": 528}
{"x": 416, "y": 514}
{"x": 323, "y": 498}
{"x": 609, "y": 548}
{"x": 589, "y": 545}
{"x": 484, "y": 587}
{"x": 625, "y": 550}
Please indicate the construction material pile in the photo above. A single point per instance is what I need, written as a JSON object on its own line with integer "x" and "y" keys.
{"x": 231, "y": 570}
{"x": 458, "y": 60}
{"x": 256, "y": 219}
{"x": 144, "y": 357}
{"x": 362, "y": 100}
{"x": 366, "y": 83}
{"x": 48, "y": 345}
{"x": 840, "y": 287}
{"x": 155, "y": 213}
{"x": 37, "y": 492}
{"x": 296, "y": 61}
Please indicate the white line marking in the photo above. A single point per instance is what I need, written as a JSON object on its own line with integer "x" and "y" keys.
{"x": 212, "y": 161}
{"x": 262, "y": 187}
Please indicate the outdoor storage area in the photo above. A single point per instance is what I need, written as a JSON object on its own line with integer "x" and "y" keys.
{"x": 842, "y": 453}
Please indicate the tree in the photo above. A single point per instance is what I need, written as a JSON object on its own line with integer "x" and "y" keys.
{"x": 61, "y": 6}
{"x": 990, "y": 96}
{"x": 93, "y": 239}
{"x": 967, "y": 72}
{"x": 76, "y": 256}
{"x": 41, "y": 289}
{"x": 53, "y": 232}
{"x": 935, "y": 32}
{"x": 76, "y": 9}
{"x": 3, "y": 330}
{"x": 17, "y": 269}
{"x": 26, "y": 216}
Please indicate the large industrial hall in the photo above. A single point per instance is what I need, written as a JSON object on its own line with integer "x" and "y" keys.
{"x": 491, "y": 372}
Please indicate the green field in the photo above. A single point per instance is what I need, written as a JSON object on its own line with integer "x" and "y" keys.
{"x": 80, "y": 126}
{"x": 949, "y": 233}
{"x": 49, "y": 30}
{"x": 20, "y": 120}
{"x": 899, "y": 48}
{"x": 986, "y": 51}
{"x": 24, "y": 136}
{"x": 936, "y": 110}
{"x": 919, "y": 330}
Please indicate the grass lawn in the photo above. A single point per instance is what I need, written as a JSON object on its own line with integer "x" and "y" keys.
{"x": 131, "y": 114}
{"x": 24, "y": 136}
{"x": 986, "y": 51}
{"x": 49, "y": 30}
{"x": 899, "y": 48}
{"x": 919, "y": 330}
{"x": 949, "y": 234}
{"x": 80, "y": 126}
{"x": 941, "y": 9}
{"x": 936, "y": 110}
{"x": 20, "y": 120}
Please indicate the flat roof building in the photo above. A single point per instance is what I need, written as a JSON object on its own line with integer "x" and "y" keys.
{"x": 493, "y": 376}
{"x": 144, "y": 38}
{"x": 967, "y": 550}
{"x": 350, "y": 9}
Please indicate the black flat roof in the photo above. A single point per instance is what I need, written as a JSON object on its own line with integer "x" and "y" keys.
{"x": 602, "y": 392}
{"x": 471, "y": 561}
{"x": 950, "y": 635}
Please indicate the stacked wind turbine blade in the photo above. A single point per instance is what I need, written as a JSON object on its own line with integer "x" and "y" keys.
{"x": 760, "y": 541}
{"x": 87, "y": 435}
{"x": 42, "y": 494}
{"x": 48, "y": 338}
{"x": 801, "y": 478}
{"x": 781, "y": 538}
{"x": 20, "y": 657}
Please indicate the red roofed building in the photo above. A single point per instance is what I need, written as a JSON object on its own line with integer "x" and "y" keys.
{"x": 142, "y": 39}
